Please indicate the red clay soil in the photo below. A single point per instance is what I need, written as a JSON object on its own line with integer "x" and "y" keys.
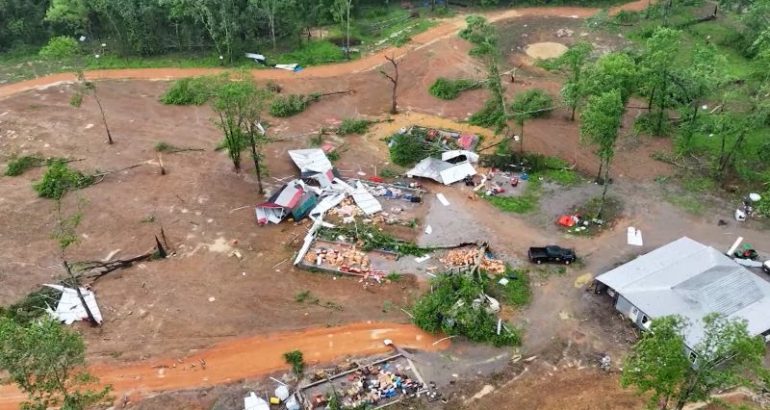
{"x": 370, "y": 62}
{"x": 248, "y": 358}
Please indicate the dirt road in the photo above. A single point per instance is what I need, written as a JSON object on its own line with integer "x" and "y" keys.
{"x": 369, "y": 62}
{"x": 249, "y": 357}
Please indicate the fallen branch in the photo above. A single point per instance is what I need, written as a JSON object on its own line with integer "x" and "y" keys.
{"x": 97, "y": 269}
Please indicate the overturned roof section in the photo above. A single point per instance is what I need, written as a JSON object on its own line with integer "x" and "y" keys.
{"x": 692, "y": 280}
{"x": 442, "y": 171}
{"x": 71, "y": 309}
{"x": 311, "y": 159}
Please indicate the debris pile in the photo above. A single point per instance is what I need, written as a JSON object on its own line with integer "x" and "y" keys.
{"x": 371, "y": 386}
{"x": 467, "y": 258}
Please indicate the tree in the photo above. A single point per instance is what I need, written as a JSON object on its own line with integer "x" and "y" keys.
{"x": 573, "y": 61}
{"x": 394, "y": 80}
{"x": 613, "y": 71}
{"x": 231, "y": 104}
{"x": 661, "y": 49}
{"x": 527, "y": 105}
{"x": 220, "y": 19}
{"x": 341, "y": 12}
{"x": 272, "y": 8}
{"x": 85, "y": 87}
{"x": 599, "y": 126}
{"x": 72, "y": 14}
{"x": 255, "y": 132}
{"x": 659, "y": 363}
{"x": 47, "y": 362}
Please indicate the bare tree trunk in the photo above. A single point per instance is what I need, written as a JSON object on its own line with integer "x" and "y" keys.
{"x": 347, "y": 31}
{"x": 604, "y": 191}
{"x": 572, "y": 116}
{"x": 521, "y": 139}
{"x": 104, "y": 118}
{"x": 255, "y": 158}
{"x": 272, "y": 28}
{"x": 394, "y": 80}
{"x": 599, "y": 174}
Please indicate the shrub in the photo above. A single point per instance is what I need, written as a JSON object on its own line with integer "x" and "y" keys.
{"x": 447, "y": 89}
{"x": 516, "y": 292}
{"x": 61, "y": 46}
{"x": 292, "y": 104}
{"x": 448, "y": 308}
{"x": 190, "y": 91}
{"x": 19, "y": 165}
{"x": 59, "y": 179}
{"x": 314, "y": 53}
{"x": 353, "y": 126}
{"x": 532, "y": 103}
{"x": 296, "y": 360}
{"x": 31, "y": 307}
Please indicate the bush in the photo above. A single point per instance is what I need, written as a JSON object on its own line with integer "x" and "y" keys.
{"x": 447, "y": 89}
{"x": 353, "y": 126}
{"x": 31, "y": 307}
{"x": 448, "y": 308}
{"x": 314, "y": 53}
{"x": 19, "y": 165}
{"x": 59, "y": 179}
{"x": 296, "y": 360}
{"x": 532, "y": 103}
{"x": 190, "y": 91}
{"x": 61, "y": 46}
{"x": 292, "y": 104}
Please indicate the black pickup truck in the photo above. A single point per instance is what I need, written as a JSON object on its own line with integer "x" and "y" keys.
{"x": 551, "y": 253}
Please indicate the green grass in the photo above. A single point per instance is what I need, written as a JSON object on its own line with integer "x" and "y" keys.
{"x": 19, "y": 165}
{"x": 353, "y": 126}
{"x": 522, "y": 204}
{"x": 516, "y": 292}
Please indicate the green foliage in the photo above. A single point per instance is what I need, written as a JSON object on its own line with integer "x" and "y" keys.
{"x": 76, "y": 99}
{"x": 491, "y": 115}
{"x": 727, "y": 355}
{"x": 447, "y": 89}
{"x": 520, "y": 204}
{"x": 239, "y": 106}
{"x": 296, "y": 360}
{"x": 531, "y": 103}
{"x": 449, "y": 308}
{"x": 353, "y": 126}
{"x": 19, "y": 165}
{"x": 165, "y": 147}
{"x": 292, "y": 104}
{"x": 401, "y": 39}
{"x": 61, "y": 46}
{"x": 47, "y": 362}
{"x": 600, "y": 122}
{"x": 370, "y": 238}
{"x": 613, "y": 71}
{"x": 31, "y": 307}
{"x": 516, "y": 292}
{"x": 305, "y": 296}
{"x": 191, "y": 90}
{"x": 314, "y": 53}
{"x": 481, "y": 34}
{"x": 59, "y": 179}
{"x": 406, "y": 150}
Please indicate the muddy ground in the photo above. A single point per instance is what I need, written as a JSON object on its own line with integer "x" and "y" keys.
{"x": 205, "y": 294}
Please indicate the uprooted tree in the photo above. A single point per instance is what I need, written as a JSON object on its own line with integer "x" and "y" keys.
{"x": 530, "y": 104}
{"x": 47, "y": 362}
{"x": 85, "y": 87}
{"x": 661, "y": 364}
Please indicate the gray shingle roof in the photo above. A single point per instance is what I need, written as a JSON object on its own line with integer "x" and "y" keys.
{"x": 690, "y": 279}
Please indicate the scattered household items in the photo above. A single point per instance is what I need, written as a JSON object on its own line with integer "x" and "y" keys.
{"x": 254, "y": 402}
{"x": 294, "y": 199}
{"x": 282, "y": 392}
{"x": 634, "y": 237}
{"x": 692, "y": 280}
{"x": 70, "y": 307}
{"x": 605, "y": 363}
{"x": 289, "y": 67}
{"x": 452, "y": 167}
{"x": 568, "y": 221}
{"x": 746, "y": 209}
{"x": 551, "y": 253}
{"x": 407, "y": 192}
{"x": 746, "y": 252}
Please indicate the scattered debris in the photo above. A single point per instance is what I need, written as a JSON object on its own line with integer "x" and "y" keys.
{"x": 442, "y": 199}
{"x": 634, "y": 236}
{"x": 252, "y": 402}
{"x": 70, "y": 308}
{"x": 453, "y": 166}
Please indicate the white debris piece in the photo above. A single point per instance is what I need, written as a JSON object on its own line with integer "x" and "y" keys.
{"x": 422, "y": 259}
{"x": 634, "y": 237}
{"x": 253, "y": 402}
{"x": 366, "y": 200}
{"x": 71, "y": 309}
{"x": 428, "y": 230}
{"x": 452, "y": 167}
{"x": 442, "y": 199}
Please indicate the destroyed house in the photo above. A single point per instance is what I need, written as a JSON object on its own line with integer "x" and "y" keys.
{"x": 292, "y": 199}
{"x": 692, "y": 280}
{"x": 314, "y": 165}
